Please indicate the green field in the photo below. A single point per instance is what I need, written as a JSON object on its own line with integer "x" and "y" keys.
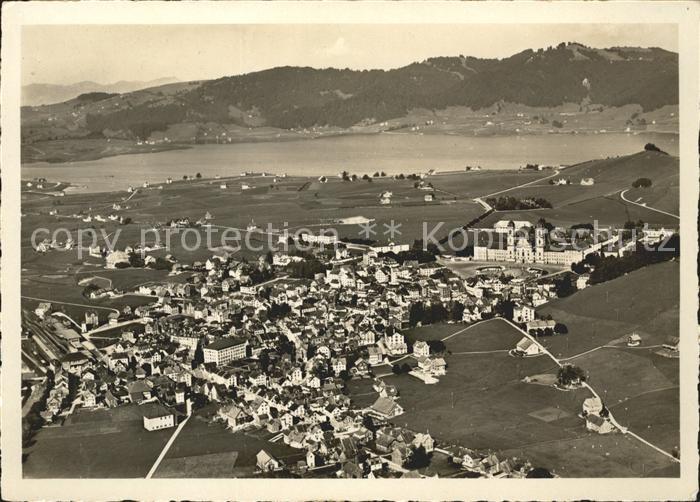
{"x": 200, "y": 438}
{"x": 481, "y": 403}
{"x": 67, "y": 290}
{"x": 610, "y": 176}
{"x": 101, "y": 444}
{"x": 640, "y": 386}
{"x": 599, "y": 456}
{"x": 654, "y": 416}
{"x": 608, "y": 311}
{"x": 292, "y": 203}
{"x": 70, "y": 150}
{"x": 474, "y": 184}
{"x": 576, "y": 203}
{"x": 663, "y": 194}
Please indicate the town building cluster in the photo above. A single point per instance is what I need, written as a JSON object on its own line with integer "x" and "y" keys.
{"x": 277, "y": 344}
{"x": 277, "y": 353}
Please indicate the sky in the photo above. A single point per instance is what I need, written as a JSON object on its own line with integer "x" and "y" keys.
{"x": 65, "y": 54}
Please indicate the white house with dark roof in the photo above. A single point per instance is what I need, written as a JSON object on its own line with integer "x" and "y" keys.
{"x": 527, "y": 347}
{"x": 157, "y": 416}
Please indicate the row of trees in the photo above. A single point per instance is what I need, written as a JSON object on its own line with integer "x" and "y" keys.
{"x": 611, "y": 267}
{"x": 306, "y": 269}
{"x": 416, "y": 253}
{"x": 570, "y": 375}
{"x": 559, "y": 329}
{"x": 508, "y": 203}
{"x": 641, "y": 183}
{"x": 278, "y": 310}
{"x": 136, "y": 260}
{"x": 434, "y": 313}
{"x": 346, "y": 176}
{"x": 564, "y": 285}
{"x": 419, "y": 313}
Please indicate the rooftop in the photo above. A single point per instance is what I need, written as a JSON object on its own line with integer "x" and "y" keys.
{"x": 225, "y": 343}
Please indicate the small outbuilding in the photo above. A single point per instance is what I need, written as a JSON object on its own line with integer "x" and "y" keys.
{"x": 527, "y": 348}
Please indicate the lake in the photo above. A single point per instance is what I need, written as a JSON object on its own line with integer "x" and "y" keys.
{"x": 358, "y": 154}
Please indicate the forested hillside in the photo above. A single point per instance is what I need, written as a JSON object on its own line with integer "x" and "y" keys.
{"x": 293, "y": 97}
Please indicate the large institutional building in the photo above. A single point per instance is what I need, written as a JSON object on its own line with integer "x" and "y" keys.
{"x": 518, "y": 247}
{"x": 225, "y": 350}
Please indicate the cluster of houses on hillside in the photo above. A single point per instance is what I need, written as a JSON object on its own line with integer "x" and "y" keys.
{"x": 276, "y": 352}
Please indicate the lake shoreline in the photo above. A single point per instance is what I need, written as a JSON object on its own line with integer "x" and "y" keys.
{"x": 357, "y": 154}
{"x": 159, "y": 148}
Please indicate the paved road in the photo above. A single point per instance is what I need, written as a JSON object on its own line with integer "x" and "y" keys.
{"x": 621, "y": 428}
{"x": 608, "y": 347}
{"x": 622, "y": 196}
{"x": 167, "y": 447}
{"x": 483, "y": 204}
{"x": 274, "y": 232}
{"x": 61, "y": 314}
{"x": 68, "y": 303}
{"x": 556, "y": 173}
{"x": 106, "y": 327}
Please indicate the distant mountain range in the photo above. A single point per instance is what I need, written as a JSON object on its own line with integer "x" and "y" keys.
{"x": 302, "y": 97}
{"x": 45, "y": 94}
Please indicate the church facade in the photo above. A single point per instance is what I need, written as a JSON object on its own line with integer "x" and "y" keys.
{"x": 519, "y": 248}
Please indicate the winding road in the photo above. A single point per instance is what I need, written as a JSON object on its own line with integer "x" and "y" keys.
{"x": 620, "y": 427}
{"x": 622, "y": 196}
{"x": 558, "y": 362}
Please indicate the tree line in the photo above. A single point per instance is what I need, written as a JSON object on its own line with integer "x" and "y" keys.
{"x": 610, "y": 267}
{"x": 508, "y": 203}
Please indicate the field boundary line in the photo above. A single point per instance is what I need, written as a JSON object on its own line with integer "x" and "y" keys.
{"x": 459, "y": 332}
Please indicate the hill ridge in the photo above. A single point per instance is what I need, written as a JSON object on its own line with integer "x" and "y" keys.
{"x": 290, "y": 97}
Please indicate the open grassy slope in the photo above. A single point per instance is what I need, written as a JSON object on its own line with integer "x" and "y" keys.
{"x": 645, "y": 301}
{"x": 482, "y": 403}
{"x": 576, "y": 203}
{"x": 96, "y": 444}
{"x": 640, "y": 386}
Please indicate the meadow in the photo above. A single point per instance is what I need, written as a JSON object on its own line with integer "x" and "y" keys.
{"x": 96, "y": 444}
{"x": 199, "y": 439}
{"x": 576, "y": 203}
{"x": 482, "y": 403}
{"x": 603, "y": 313}
{"x": 292, "y": 203}
{"x": 640, "y": 386}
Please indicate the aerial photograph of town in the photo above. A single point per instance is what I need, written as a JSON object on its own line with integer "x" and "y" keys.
{"x": 350, "y": 251}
